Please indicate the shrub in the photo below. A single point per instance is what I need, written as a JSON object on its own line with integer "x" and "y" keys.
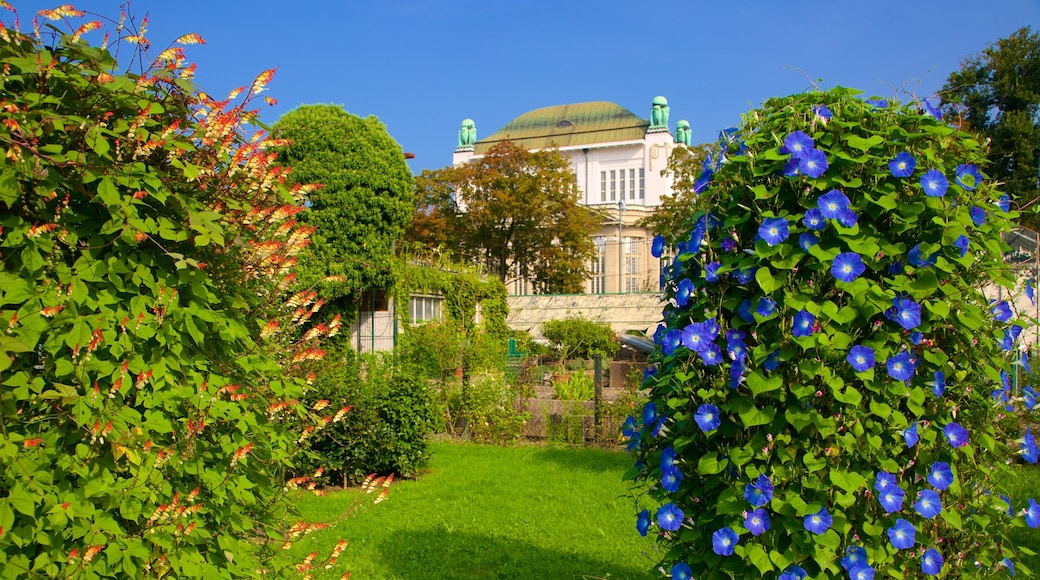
{"x": 579, "y": 337}
{"x": 823, "y": 400}
{"x": 150, "y": 369}
{"x": 485, "y": 410}
{"x": 434, "y": 348}
{"x": 576, "y": 387}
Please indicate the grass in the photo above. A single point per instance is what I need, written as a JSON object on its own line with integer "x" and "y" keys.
{"x": 492, "y": 512}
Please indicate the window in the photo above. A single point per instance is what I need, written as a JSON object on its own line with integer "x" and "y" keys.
{"x": 425, "y": 308}
{"x": 621, "y": 183}
{"x": 642, "y": 183}
{"x": 613, "y": 184}
{"x": 599, "y": 266}
{"x": 520, "y": 287}
{"x": 632, "y": 184}
{"x": 633, "y": 281}
{"x": 603, "y": 186}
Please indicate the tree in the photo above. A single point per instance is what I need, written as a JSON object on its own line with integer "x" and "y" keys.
{"x": 674, "y": 218}
{"x": 515, "y": 211}
{"x": 997, "y": 92}
{"x": 365, "y": 200}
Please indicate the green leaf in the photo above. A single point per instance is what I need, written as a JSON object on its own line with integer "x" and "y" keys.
{"x": 857, "y": 142}
{"x": 21, "y": 500}
{"x": 759, "y": 383}
{"x": 709, "y": 464}
{"x": 765, "y": 280}
{"x": 758, "y": 556}
{"x": 751, "y": 415}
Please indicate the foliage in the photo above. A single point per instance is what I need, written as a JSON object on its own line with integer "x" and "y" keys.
{"x": 579, "y": 337}
{"x": 484, "y": 410}
{"x": 514, "y": 211}
{"x": 150, "y": 363}
{"x": 568, "y": 427}
{"x": 576, "y": 387}
{"x": 672, "y": 219}
{"x": 364, "y": 204}
{"x": 389, "y": 423}
{"x": 840, "y": 270}
{"x": 997, "y": 92}
{"x": 434, "y": 348}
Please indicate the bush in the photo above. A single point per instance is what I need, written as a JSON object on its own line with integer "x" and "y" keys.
{"x": 434, "y": 348}
{"x": 484, "y": 410}
{"x": 577, "y": 387}
{"x": 579, "y": 337}
{"x": 827, "y": 370}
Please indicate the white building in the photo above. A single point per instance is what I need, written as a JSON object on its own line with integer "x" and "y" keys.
{"x": 617, "y": 158}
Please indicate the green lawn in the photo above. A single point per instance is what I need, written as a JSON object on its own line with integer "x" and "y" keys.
{"x": 492, "y": 512}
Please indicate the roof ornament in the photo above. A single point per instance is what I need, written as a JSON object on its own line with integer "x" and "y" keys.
{"x": 682, "y": 132}
{"x": 467, "y": 134}
{"x": 659, "y": 114}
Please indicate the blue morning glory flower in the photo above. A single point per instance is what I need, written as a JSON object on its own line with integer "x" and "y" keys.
{"x": 863, "y": 572}
{"x": 803, "y": 323}
{"x": 978, "y": 215}
{"x": 931, "y": 110}
{"x": 822, "y": 112}
{"x": 649, "y": 413}
{"x": 790, "y": 168}
{"x": 1025, "y": 362}
{"x": 1011, "y": 509}
{"x": 818, "y": 522}
{"x": 798, "y": 144}
{"x": 861, "y": 358}
{"x": 766, "y": 306}
{"x": 832, "y": 204}
{"x": 760, "y": 492}
{"x": 657, "y": 248}
{"x": 757, "y": 521}
{"x": 902, "y": 534}
{"x": 707, "y": 417}
{"x": 703, "y": 180}
{"x": 895, "y": 268}
{"x": 668, "y": 458}
{"x": 847, "y": 266}
{"x": 735, "y": 336}
{"x": 884, "y": 480}
{"x": 793, "y": 572}
{"x": 940, "y": 475}
{"x": 956, "y": 435}
{"x": 901, "y": 367}
{"x": 961, "y": 243}
{"x": 905, "y": 312}
{"x": 928, "y": 504}
{"x": 934, "y": 183}
{"x": 1010, "y": 336}
{"x": 745, "y": 311}
{"x": 671, "y": 479}
{"x": 736, "y": 373}
{"x": 1030, "y": 451}
{"x": 711, "y": 355}
{"x": 917, "y": 258}
{"x": 903, "y": 165}
{"x": 724, "y": 541}
{"x": 931, "y": 562}
{"x": 670, "y": 517}
{"x": 682, "y": 571}
{"x": 813, "y": 163}
{"x": 1007, "y": 563}
{"x": 910, "y": 435}
{"x": 1028, "y": 398}
{"x": 968, "y": 176}
{"x": 848, "y": 218}
{"x": 916, "y": 337}
{"x": 1002, "y": 311}
{"x": 814, "y": 219}
{"x": 891, "y": 499}
{"x": 711, "y": 271}
{"x": 939, "y": 384}
{"x": 683, "y": 292}
{"x": 774, "y": 230}
{"x": 1004, "y": 202}
{"x": 671, "y": 341}
{"x": 643, "y": 522}
{"x": 877, "y": 103}
{"x": 697, "y": 336}
{"x": 659, "y": 425}
{"x": 807, "y": 240}
{"x": 728, "y": 245}
{"x": 1033, "y": 514}
{"x": 855, "y": 556}
{"x": 736, "y": 350}
{"x": 746, "y": 275}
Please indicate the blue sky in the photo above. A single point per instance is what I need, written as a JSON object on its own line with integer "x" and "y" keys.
{"x": 422, "y": 66}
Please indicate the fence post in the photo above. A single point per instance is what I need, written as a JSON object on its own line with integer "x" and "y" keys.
{"x": 597, "y": 395}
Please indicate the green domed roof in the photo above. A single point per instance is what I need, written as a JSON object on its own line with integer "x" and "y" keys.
{"x": 568, "y": 126}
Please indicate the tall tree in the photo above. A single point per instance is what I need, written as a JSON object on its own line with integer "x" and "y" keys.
{"x": 997, "y": 92}
{"x": 364, "y": 204}
{"x": 673, "y": 219}
{"x": 516, "y": 211}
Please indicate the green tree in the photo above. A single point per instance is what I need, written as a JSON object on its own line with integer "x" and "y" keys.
{"x": 365, "y": 200}
{"x": 674, "y": 218}
{"x": 513, "y": 210}
{"x": 997, "y": 92}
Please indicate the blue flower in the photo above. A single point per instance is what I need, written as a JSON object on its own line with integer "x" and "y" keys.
{"x": 940, "y": 475}
{"x": 643, "y": 522}
{"x": 818, "y": 522}
{"x": 668, "y": 458}
{"x": 901, "y": 367}
{"x": 793, "y": 572}
{"x": 682, "y": 571}
{"x": 790, "y": 168}
{"x": 861, "y": 358}
{"x": 1028, "y": 398}
{"x": 1004, "y": 202}
{"x": 931, "y": 110}
{"x": 1002, "y": 311}
{"x": 803, "y": 323}
{"x": 807, "y": 240}
{"x": 671, "y": 479}
{"x": 916, "y": 258}
{"x": 670, "y": 517}
{"x": 728, "y": 245}
{"x": 766, "y": 307}
{"x": 774, "y": 230}
{"x": 736, "y": 350}
{"x": 855, "y": 556}
{"x": 928, "y": 504}
{"x": 1011, "y": 509}
{"x": 711, "y": 355}
{"x": 956, "y": 435}
{"x": 895, "y": 268}
{"x": 735, "y": 336}
{"x": 978, "y": 215}
{"x": 961, "y": 243}
{"x": 657, "y": 248}
{"x": 697, "y": 336}
{"x": 757, "y": 521}
{"x": 861, "y": 573}
{"x": 745, "y": 311}
{"x": 798, "y": 144}
{"x": 903, "y": 165}
{"x": 671, "y": 341}
{"x": 905, "y": 312}
{"x": 707, "y": 417}
{"x": 649, "y": 413}
{"x": 934, "y": 183}
{"x": 884, "y": 480}
{"x": 902, "y": 534}
{"x": 848, "y": 218}
{"x": 891, "y": 498}
{"x": 931, "y": 562}
{"x": 814, "y": 219}
{"x": 760, "y": 492}
{"x": 832, "y": 204}
{"x": 915, "y": 338}
{"x": 1007, "y": 563}
{"x": 968, "y": 176}
{"x": 703, "y": 180}
{"x": 772, "y": 361}
{"x": 682, "y": 293}
{"x": 1030, "y": 451}
{"x": 847, "y": 266}
{"x": 1033, "y": 514}
{"x": 724, "y": 541}
{"x": 745, "y": 275}
{"x": 877, "y": 103}
{"x": 1030, "y": 292}
{"x": 736, "y": 373}
{"x": 1010, "y": 336}
{"x": 822, "y": 112}
{"x": 813, "y": 163}
{"x": 711, "y": 271}
{"x": 939, "y": 385}
{"x": 910, "y": 435}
